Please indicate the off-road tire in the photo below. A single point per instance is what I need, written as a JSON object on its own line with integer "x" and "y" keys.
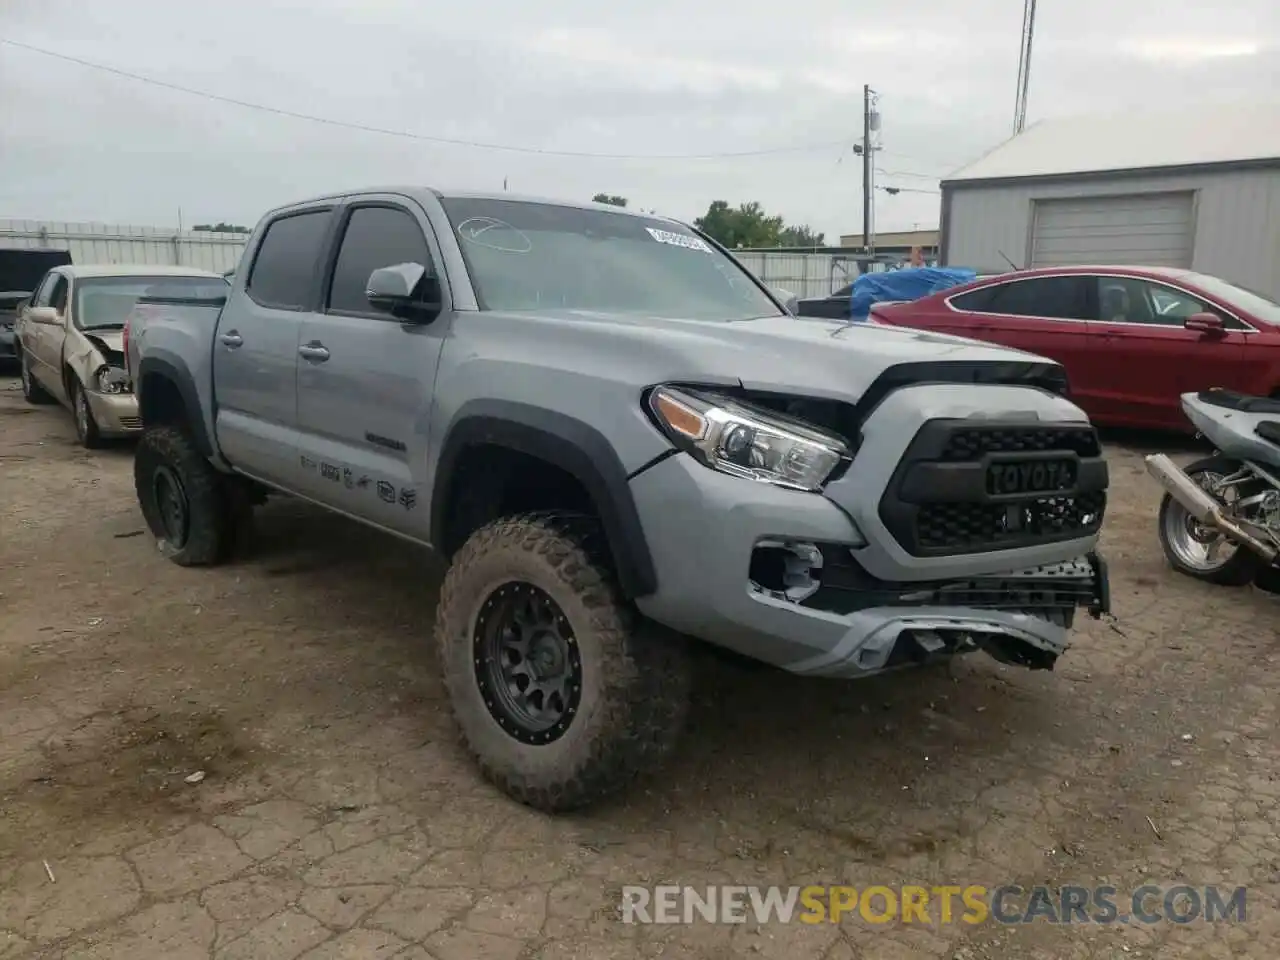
{"x": 213, "y": 519}
{"x": 32, "y": 392}
{"x": 1243, "y": 567}
{"x": 635, "y": 675}
{"x": 87, "y": 435}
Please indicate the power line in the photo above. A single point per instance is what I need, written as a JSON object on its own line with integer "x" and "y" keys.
{"x": 409, "y": 135}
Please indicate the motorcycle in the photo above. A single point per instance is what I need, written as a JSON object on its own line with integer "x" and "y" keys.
{"x": 1220, "y": 516}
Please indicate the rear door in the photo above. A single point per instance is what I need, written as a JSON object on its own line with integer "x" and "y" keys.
{"x": 255, "y": 350}
{"x": 1048, "y": 316}
{"x": 1148, "y": 358}
{"x": 365, "y": 378}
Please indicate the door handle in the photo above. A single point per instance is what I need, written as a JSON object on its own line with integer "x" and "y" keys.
{"x": 315, "y": 352}
{"x": 232, "y": 340}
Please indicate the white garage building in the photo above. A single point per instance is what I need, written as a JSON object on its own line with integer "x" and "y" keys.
{"x": 1199, "y": 189}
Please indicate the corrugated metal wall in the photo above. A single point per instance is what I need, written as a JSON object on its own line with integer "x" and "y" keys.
{"x": 804, "y": 274}
{"x": 118, "y": 243}
{"x": 1237, "y": 221}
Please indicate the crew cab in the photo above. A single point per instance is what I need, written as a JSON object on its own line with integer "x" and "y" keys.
{"x": 623, "y": 443}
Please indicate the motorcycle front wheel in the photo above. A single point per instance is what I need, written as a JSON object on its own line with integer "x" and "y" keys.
{"x": 1197, "y": 550}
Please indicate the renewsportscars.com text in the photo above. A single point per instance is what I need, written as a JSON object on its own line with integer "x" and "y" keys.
{"x": 972, "y": 904}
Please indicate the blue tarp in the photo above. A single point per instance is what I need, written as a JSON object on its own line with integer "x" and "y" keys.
{"x": 910, "y": 283}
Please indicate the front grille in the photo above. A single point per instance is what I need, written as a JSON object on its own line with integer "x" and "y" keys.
{"x": 973, "y": 443}
{"x": 131, "y": 423}
{"x": 963, "y": 527}
{"x": 940, "y": 501}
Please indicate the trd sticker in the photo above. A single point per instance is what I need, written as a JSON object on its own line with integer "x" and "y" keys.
{"x": 330, "y": 472}
{"x": 386, "y": 492}
{"x": 678, "y": 240}
{"x": 408, "y": 499}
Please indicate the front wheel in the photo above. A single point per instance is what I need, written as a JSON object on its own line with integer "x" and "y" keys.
{"x": 1198, "y": 550}
{"x": 562, "y": 694}
{"x": 87, "y": 433}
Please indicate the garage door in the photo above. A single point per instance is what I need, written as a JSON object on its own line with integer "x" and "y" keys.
{"x": 1149, "y": 230}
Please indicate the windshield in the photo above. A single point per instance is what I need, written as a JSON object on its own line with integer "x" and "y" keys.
{"x": 104, "y": 303}
{"x": 538, "y": 256}
{"x": 1234, "y": 295}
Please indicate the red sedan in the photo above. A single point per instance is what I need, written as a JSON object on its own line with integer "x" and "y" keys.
{"x": 1132, "y": 339}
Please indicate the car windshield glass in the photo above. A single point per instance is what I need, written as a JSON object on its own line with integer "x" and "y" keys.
{"x": 1234, "y": 295}
{"x": 529, "y": 256}
{"x": 103, "y": 303}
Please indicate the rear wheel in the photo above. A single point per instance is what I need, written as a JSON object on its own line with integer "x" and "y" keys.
{"x": 32, "y": 392}
{"x": 188, "y": 505}
{"x": 1197, "y": 550}
{"x": 562, "y": 694}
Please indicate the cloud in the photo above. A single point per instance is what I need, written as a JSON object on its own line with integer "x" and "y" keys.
{"x": 643, "y": 79}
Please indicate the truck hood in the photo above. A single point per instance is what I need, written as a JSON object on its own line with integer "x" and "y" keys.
{"x": 835, "y": 359}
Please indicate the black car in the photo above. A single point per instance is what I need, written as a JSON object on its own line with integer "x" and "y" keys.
{"x": 20, "y": 272}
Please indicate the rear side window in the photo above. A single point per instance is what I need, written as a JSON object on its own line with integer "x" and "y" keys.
{"x": 975, "y": 300}
{"x": 287, "y": 259}
{"x": 1059, "y": 298}
{"x": 375, "y": 237}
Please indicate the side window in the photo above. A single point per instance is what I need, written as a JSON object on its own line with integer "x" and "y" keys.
{"x": 976, "y": 301}
{"x": 1171, "y": 307}
{"x": 1127, "y": 300}
{"x": 375, "y": 237}
{"x": 58, "y": 295}
{"x": 285, "y": 265}
{"x": 1057, "y": 298}
{"x": 43, "y": 291}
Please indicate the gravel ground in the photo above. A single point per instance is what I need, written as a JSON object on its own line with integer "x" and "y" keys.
{"x": 338, "y": 818}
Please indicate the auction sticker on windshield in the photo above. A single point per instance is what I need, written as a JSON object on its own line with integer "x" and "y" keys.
{"x": 678, "y": 240}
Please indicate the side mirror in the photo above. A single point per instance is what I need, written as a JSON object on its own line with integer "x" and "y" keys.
{"x": 789, "y": 300}
{"x": 45, "y": 315}
{"x": 406, "y": 291}
{"x": 1207, "y": 323}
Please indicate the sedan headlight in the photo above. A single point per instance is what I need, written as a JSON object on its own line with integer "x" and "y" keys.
{"x": 113, "y": 380}
{"x": 745, "y": 442}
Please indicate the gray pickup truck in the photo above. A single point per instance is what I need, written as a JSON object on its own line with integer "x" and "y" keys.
{"x": 622, "y": 441}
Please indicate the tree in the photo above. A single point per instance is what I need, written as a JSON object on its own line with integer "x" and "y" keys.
{"x": 746, "y": 225}
{"x": 610, "y": 198}
{"x": 802, "y": 236}
{"x": 220, "y": 227}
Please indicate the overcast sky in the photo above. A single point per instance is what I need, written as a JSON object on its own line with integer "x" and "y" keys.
{"x": 639, "y": 78}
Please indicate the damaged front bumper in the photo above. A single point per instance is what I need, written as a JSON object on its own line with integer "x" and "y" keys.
{"x": 777, "y": 577}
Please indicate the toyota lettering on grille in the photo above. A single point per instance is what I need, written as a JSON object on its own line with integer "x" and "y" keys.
{"x": 1030, "y": 476}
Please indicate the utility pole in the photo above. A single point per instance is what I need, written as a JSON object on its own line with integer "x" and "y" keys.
{"x": 866, "y": 168}
{"x": 1024, "y": 66}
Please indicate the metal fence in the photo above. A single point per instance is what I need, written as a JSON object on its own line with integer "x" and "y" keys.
{"x": 118, "y": 243}
{"x": 804, "y": 274}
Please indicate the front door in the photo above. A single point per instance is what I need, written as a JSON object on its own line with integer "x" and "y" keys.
{"x": 255, "y": 349}
{"x": 365, "y": 379}
{"x": 45, "y": 340}
{"x": 1147, "y": 358}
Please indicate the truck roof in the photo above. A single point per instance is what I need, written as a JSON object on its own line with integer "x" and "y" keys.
{"x": 86, "y": 271}
{"x": 452, "y": 194}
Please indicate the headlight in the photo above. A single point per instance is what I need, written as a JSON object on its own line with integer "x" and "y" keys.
{"x": 745, "y": 442}
{"x": 113, "y": 380}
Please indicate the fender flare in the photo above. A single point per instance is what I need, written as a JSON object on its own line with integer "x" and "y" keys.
{"x": 565, "y": 442}
{"x": 172, "y": 368}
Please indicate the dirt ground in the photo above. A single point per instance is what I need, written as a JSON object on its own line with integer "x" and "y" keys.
{"x": 337, "y": 817}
